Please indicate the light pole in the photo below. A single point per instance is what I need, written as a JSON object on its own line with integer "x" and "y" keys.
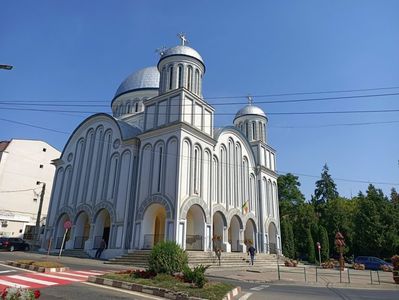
{"x": 6, "y": 67}
{"x": 39, "y": 212}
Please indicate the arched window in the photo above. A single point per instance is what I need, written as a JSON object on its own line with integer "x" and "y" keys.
{"x": 136, "y": 107}
{"x": 180, "y": 79}
{"x": 246, "y": 129}
{"x": 163, "y": 79}
{"x": 196, "y": 81}
{"x": 170, "y": 77}
{"x": 253, "y": 130}
{"x": 189, "y": 78}
{"x": 128, "y": 108}
{"x": 196, "y": 170}
{"x": 160, "y": 169}
{"x": 260, "y": 131}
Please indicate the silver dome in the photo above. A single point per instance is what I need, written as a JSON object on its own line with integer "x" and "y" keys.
{"x": 250, "y": 110}
{"x": 182, "y": 50}
{"x": 147, "y": 78}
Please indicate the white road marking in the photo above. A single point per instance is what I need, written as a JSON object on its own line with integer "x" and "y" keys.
{"x": 245, "y": 297}
{"x": 123, "y": 291}
{"x": 32, "y": 280}
{"x": 60, "y": 277}
{"x": 7, "y": 283}
{"x": 72, "y": 274}
{"x": 89, "y": 273}
{"x": 8, "y": 271}
{"x": 259, "y": 288}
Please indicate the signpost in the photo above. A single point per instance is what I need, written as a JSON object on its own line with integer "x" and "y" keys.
{"x": 67, "y": 226}
{"x": 318, "y": 249}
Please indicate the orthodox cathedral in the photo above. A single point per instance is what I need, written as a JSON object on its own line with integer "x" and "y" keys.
{"x": 158, "y": 169}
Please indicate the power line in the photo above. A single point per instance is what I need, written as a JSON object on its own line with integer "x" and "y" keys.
{"x": 225, "y": 114}
{"x": 34, "y": 126}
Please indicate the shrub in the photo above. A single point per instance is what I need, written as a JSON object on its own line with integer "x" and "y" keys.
{"x": 195, "y": 275}
{"x": 329, "y": 264}
{"x": 167, "y": 257}
{"x": 290, "y": 263}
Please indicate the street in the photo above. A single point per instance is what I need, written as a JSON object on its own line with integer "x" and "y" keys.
{"x": 72, "y": 285}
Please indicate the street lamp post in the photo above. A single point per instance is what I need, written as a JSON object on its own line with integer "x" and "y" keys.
{"x": 39, "y": 212}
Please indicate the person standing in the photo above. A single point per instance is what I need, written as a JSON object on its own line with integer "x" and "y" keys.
{"x": 100, "y": 249}
{"x": 251, "y": 252}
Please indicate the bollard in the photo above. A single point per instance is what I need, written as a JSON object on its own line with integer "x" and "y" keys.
{"x": 371, "y": 277}
{"x": 304, "y": 272}
{"x": 316, "y": 274}
{"x": 340, "y": 275}
{"x": 349, "y": 278}
{"x": 278, "y": 272}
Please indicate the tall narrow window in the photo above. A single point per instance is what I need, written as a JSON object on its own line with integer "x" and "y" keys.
{"x": 163, "y": 80}
{"x": 170, "y": 77}
{"x": 253, "y": 130}
{"x": 196, "y": 81}
{"x": 196, "y": 171}
{"x": 136, "y": 109}
{"x": 246, "y": 129}
{"x": 160, "y": 170}
{"x": 189, "y": 78}
{"x": 180, "y": 76}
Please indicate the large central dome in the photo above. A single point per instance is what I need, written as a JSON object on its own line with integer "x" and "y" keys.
{"x": 147, "y": 78}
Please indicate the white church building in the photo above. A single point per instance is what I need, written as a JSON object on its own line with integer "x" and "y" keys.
{"x": 158, "y": 169}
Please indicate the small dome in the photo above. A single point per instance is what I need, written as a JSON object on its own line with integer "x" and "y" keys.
{"x": 250, "y": 110}
{"x": 182, "y": 50}
{"x": 147, "y": 78}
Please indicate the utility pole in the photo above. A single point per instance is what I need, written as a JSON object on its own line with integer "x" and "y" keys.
{"x": 39, "y": 212}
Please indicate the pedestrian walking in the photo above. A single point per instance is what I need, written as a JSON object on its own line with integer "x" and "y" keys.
{"x": 218, "y": 254}
{"x": 251, "y": 251}
{"x": 100, "y": 249}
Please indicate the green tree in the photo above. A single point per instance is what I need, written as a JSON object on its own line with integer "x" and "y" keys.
{"x": 310, "y": 247}
{"x": 325, "y": 188}
{"x": 290, "y": 196}
{"x": 305, "y": 217}
{"x": 325, "y": 247}
{"x": 287, "y": 238}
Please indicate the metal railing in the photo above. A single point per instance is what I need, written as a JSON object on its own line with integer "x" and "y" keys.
{"x": 150, "y": 240}
{"x": 194, "y": 242}
{"x": 79, "y": 242}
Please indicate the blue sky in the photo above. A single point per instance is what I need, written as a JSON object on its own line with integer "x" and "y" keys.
{"x": 79, "y": 51}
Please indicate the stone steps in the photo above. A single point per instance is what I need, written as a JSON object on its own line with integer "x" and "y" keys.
{"x": 228, "y": 260}
{"x": 73, "y": 253}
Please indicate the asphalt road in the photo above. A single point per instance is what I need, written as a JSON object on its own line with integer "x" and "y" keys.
{"x": 251, "y": 291}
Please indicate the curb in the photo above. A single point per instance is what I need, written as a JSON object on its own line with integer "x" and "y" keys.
{"x": 155, "y": 291}
{"x": 37, "y": 269}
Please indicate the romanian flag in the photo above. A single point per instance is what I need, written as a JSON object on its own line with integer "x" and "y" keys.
{"x": 245, "y": 207}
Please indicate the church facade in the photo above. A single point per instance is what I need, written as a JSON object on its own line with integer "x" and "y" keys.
{"x": 158, "y": 170}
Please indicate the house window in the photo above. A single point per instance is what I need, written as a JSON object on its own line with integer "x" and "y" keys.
{"x": 41, "y": 166}
{"x": 44, "y": 149}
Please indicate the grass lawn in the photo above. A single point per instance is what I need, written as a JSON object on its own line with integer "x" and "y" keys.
{"x": 211, "y": 290}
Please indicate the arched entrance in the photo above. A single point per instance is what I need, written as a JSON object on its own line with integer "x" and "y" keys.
{"x": 153, "y": 225}
{"x": 234, "y": 234}
{"x": 102, "y": 228}
{"x": 272, "y": 238}
{"x": 250, "y": 233}
{"x": 219, "y": 223}
{"x": 61, "y": 231}
{"x": 82, "y": 230}
{"x": 195, "y": 235}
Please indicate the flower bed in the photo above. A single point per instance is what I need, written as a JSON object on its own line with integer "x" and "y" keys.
{"x": 163, "y": 284}
{"x": 11, "y": 293}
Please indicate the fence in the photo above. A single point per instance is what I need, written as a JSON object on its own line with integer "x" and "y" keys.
{"x": 150, "y": 240}
{"x": 317, "y": 274}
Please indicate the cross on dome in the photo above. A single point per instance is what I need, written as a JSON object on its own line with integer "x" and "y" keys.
{"x": 250, "y": 100}
{"x": 183, "y": 38}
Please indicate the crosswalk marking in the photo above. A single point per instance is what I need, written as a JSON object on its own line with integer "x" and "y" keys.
{"x": 29, "y": 279}
{"x": 89, "y": 273}
{"x": 8, "y": 283}
{"x": 60, "y": 277}
{"x": 41, "y": 280}
{"x": 259, "y": 287}
{"x": 7, "y": 271}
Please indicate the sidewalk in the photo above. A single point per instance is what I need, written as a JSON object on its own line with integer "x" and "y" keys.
{"x": 296, "y": 276}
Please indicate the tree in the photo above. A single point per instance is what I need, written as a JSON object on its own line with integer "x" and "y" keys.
{"x": 287, "y": 238}
{"x": 325, "y": 188}
{"x": 394, "y": 197}
{"x": 310, "y": 247}
{"x": 325, "y": 247}
{"x": 290, "y": 196}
